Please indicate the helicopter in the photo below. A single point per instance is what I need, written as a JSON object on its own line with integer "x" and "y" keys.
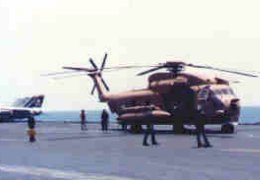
{"x": 168, "y": 96}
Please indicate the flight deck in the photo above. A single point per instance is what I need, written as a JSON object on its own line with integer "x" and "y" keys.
{"x": 63, "y": 151}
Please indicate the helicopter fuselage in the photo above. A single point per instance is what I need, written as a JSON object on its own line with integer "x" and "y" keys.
{"x": 169, "y": 97}
{"x": 173, "y": 97}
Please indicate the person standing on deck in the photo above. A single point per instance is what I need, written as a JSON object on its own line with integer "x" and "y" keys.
{"x": 83, "y": 120}
{"x": 149, "y": 130}
{"x": 200, "y": 119}
{"x": 31, "y": 129}
{"x": 104, "y": 120}
{"x": 200, "y": 131}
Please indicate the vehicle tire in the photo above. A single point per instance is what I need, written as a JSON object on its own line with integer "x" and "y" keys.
{"x": 227, "y": 129}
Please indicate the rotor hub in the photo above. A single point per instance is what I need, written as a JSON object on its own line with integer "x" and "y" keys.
{"x": 174, "y": 67}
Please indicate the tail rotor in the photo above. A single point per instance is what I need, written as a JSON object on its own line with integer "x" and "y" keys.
{"x": 98, "y": 72}
{"x": 93, "y": 64}
{"x": 104, "y": 62}
{"x": 95, "y": 71}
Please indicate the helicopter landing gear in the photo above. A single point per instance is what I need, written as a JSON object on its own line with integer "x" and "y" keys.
{"x": 124, "y": 126}
{"x": 178, "y": 128}
{"x": 227, "y": 129}
{"x": 136, "y": 128}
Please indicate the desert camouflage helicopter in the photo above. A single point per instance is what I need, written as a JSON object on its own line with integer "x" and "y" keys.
{"x": 168, "y": 96}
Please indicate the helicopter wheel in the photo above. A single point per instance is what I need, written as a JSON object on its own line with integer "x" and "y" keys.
{"x": 136, "y": 128}
{"x": 124, "y": 126}
{"x": 178, "y": 128}
{"x": 227, "y": 129}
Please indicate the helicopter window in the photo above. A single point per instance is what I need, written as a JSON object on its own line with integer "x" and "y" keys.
{"x": 203, "y": 94}
{"x": 147, "y": 102}
{"x": 217, "y": 92}
{"x": 122, "y": 106}
{"x": 231, "y": 91}
{"x": 128, "y": 104}
{"x": 225, "y": 91}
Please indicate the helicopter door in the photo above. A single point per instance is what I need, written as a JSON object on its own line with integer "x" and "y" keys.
{"x": 172, "y": 100}
{"x": 203, "y": 94}
{"x": 180, "y": 101}
{"x": 205, "y": 104}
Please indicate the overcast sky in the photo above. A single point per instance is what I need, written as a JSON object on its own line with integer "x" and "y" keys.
{"x": 38, "y": 37}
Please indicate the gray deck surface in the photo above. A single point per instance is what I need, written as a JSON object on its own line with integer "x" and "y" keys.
{"x": 63, "y": 151}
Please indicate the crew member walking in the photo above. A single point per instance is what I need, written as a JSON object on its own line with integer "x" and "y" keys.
{"x": 104, "y": 120}
{"x": 31, "y": 129}
{"x": 149, "y": 130}
{"x": 83, "y": 120}
{"x": 200, "y": 131}
{"x": 200, "y": 118}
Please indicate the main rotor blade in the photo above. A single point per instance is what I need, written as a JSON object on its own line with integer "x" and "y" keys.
{"x": 93, "y": 64}
{"x": 150, "y": 70}
{"x": 236, "y": 72}
{"x": 59, "y": 73}
{"x": 79, "y": 69}
{"x": 68, "y": 76}
{"x": 234, "y": 81}
{"x": 105, "y": 84}
{"x": 104, "y": 62}
{"x": 223, "y": 70}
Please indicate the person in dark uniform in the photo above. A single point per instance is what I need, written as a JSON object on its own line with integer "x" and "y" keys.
{"x": 200, "y": 130}
{"x": 31, "y": 129}
{"x": 149, "y": 130}
{"x": 200, "y": 119}
{"x": 104, "y": 120}
{"x": 83, "y": 120}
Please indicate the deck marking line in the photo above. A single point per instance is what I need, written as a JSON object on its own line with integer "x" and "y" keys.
{"x": 54, "y": 173}
{"x": 9, "y": 140}
{"x": 242, "y": 150}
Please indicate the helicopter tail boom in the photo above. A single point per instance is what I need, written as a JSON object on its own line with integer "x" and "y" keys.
{"x": 101, "y": 86}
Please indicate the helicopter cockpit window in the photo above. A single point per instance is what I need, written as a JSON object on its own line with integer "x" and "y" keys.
{"x": 217, "y": 92}
{"x": 203, "y": 94}
{"x": 231, "y": 91}
{"x": 225, "y": 91}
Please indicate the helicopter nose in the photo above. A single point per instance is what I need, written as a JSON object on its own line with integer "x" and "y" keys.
{"x": 234, "y": 104}
{"x": 235, "y": 101}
